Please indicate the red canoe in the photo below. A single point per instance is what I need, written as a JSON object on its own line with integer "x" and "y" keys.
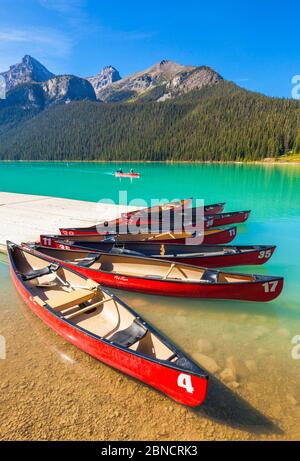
{"x": 123, "y": 226}
{"x": 197, "y": 255}
{"x": 211, "y": 237}
{"x": 140, "y": 215}
{"x": 102, "y": 325}
{"x": 144, "y": 217}
{"x": 192, "y": 221}
{"x": 225, "y": 219}
{"x": 176, "y": 205}
{"x": 165, "y": 278}
{"x": 127, "y": 175}
{"x": 154, "y": 211}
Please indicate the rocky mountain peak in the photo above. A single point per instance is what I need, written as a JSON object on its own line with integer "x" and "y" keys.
{"x": 106, "y": 76}
{"x": 66, "y": 88}
{"x": 29, "y": 60}
{"x": 164, "y": 80}
{"x": 29, "y": 70}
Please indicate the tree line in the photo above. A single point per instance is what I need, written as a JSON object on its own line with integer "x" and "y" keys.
{"x": 220, "y": 123}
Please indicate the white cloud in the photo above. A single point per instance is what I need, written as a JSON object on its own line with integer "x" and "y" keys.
{"x": 37, "y": 39}
{"x": 74, "y": 12}
{"x": 45, "y": 44}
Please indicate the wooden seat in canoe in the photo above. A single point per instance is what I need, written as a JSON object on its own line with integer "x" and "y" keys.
{"x": 64, "y": 300}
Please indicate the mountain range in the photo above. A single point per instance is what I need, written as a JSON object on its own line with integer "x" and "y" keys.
{"x": 165, "y": 80}
{"x": 166, "y": 112}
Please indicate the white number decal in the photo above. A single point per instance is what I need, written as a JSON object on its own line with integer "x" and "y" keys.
{"x": 270, "y": 287}
{"x": 67, "y": 232}
{"x": 232, "y": 232}
{"x": 64, "y": 247}
{"x": 47, "y": 242}
{"x": 264, "y": 254}
{"x": 185, "y": 381}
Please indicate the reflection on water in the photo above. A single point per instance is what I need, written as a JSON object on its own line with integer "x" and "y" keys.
{"x": 51, "y": 390}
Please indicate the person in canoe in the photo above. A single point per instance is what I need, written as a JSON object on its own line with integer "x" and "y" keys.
{"x": 131, "y": 171}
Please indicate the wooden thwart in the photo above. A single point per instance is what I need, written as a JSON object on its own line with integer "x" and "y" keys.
{"x": 65, "y": 300}
{"x": 88, "y": 308}
{"x": 172, "y": 267}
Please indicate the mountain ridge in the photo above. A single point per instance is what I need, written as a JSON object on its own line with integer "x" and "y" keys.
{"x": 172, "y": 77}
{"x": 168, "y": 78}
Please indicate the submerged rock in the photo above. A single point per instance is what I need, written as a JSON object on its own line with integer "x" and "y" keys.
{"x": 228, "y": 375}
{"x": 291, "y": 399}
{"x": 237, "y": 366}
{"x": 204, "y": 346}
{"x": 259, "y": 332}
{"x": 251, "y": 365}
{"x": 284, "y": 332}
{"x": 261, "y": 351}
{"x": 234, "y": 385}
{"x": 207, "y": 362}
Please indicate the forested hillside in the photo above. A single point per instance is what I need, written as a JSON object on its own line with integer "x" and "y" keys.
{"x": 221, "y": 122}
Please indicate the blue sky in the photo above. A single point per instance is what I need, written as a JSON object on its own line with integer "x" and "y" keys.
{"x": 256, "y": 44}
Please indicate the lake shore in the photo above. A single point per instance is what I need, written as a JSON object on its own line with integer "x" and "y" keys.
{"x": 266, "y": 161}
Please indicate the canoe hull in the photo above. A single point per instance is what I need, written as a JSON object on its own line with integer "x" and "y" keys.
{"x": 229, "y": 218}
{"x": 248, "y": 259}
{"x": 127, "y": 175}
{"x": 201, "y": 255}
{"x": 214, "y": 209}
{"x": 220, "y": 220}
{"x": 161, "y": 377}
{"x": 222, "y": 236}
{"x": 255, "y": 291}
{"x": 146, "y": 224}
{"x": 211, "y": 220}
{"x": 262, "y": 290}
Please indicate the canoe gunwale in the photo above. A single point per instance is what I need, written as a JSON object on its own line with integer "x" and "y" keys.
{"x": 257, "y": 277}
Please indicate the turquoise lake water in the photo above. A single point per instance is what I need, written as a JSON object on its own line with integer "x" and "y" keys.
{"x": 270, "y": 191}
{"x": 247, "y": 331}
